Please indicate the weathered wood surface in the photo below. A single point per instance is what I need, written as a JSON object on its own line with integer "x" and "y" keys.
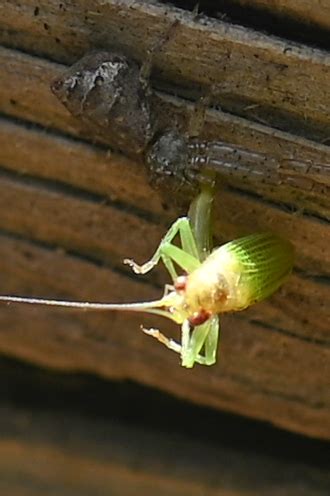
{"x": 277, "y": 87}
{"x": 265, "y": 371}
{"x": 22, "y": 74}
{"x": 99, "y": 208}
{"x": 68, "y": 454}
{"x": 309, "y": 12}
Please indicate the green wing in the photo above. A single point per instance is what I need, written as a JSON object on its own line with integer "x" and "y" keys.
{"x": 264, "y": 260}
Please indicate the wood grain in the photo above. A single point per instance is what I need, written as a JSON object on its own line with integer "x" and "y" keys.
{"x": 43, "y": 453}
{"x": 23, "y": 74}
{"x": 263, "y": 371}
{"x": 276, "y": 87}
{"x": 71, "y": 210}
{"x": 123, "y": 198}
{"x": 309, "y": 12}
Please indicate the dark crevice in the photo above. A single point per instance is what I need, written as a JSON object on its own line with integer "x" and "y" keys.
{"x": 284, "y": 207}
{"x": 45, "y": 56}
{"x": 279, "y": 330}
{"x": 259, "y": 19}
{"x": 263, "y": 115}
{"x": 26, "y": 386}
{"x": 323, "y": 279}
{"x": 97, "y": 262}
{"x": 272, "y": 393}
{"x": 56, "y": 186}
{"x": 54, "y": 132}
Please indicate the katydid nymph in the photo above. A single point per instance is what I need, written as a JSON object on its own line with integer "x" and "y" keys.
{"x": 229, "y": 278}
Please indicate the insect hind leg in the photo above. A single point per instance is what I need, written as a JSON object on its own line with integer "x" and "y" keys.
{"x": 174, "y": 346}
{"x": 168, "y": 342}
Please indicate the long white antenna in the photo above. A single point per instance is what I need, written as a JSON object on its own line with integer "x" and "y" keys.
{"x": 149, "y": 306}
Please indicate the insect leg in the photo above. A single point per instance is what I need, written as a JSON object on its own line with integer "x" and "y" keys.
{"x": 181, "y": 226}
{"x": 200, "y": 216}
{"x": 168, "y": 342}
{"x": 197, "y": 118}
{"x": 185, "y": 339}
{"x": 186, "y": 354}
{"x": 173, "y": 345}
{"x": 206, "y": 334}
{"x": 211, "y": 342}
{"x": 197, "y": 341}
{"x": 187, "y": 262}
{"x": 168, "y": 288}
{"x": 156, "y": 47}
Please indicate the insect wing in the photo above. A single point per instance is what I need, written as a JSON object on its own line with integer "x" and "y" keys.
{"x": 265, "y": 260}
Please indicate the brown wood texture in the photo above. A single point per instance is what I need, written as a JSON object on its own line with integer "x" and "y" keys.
{"x": 276, "y": 87}
{"x": 22, "y": 74}
{"x": 309, "y": 12}
{"x": 51, "y": 453}
{"x": 69, "y": 206}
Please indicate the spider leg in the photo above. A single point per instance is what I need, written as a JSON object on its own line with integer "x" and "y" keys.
{"x": 156, "y": 47}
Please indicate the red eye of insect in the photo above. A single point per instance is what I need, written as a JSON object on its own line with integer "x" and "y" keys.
{"x": 180, "y": 283}
{"x": 199, "y": 318}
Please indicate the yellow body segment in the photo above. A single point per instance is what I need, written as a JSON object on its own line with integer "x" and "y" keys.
{"x": 238, "y": 274}
{"x": 214, "y": 286}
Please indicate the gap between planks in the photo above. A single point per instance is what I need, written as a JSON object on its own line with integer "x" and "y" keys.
{"x": 69, "y": 452}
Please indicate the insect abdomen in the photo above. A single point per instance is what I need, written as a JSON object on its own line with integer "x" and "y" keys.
{"x": 265, "y": 261}
{"x": 240, "y": 273}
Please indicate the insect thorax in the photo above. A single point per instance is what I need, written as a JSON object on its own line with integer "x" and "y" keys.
{"x": 216, "y": 286}
{"x": 206, "y": 289}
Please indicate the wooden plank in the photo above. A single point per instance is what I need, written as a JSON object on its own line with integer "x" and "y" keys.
{"x": 92, "y": 223}
{"x": 276, "y": 87}
{"x": 50, "y": 205}
{"x": 85, "y": 225}
{"x": 23, "y": 74}
{"x": 72, "y": 194}
{"x": 91, "y": 227}
{"x": 110, "y": 176}
{"x": 65, "y": 453}
{"x": 309, "y": 12}
{"x": 264, "y": 371}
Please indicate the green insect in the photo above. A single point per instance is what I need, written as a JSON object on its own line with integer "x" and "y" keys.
{"x": 230, "y": 278}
